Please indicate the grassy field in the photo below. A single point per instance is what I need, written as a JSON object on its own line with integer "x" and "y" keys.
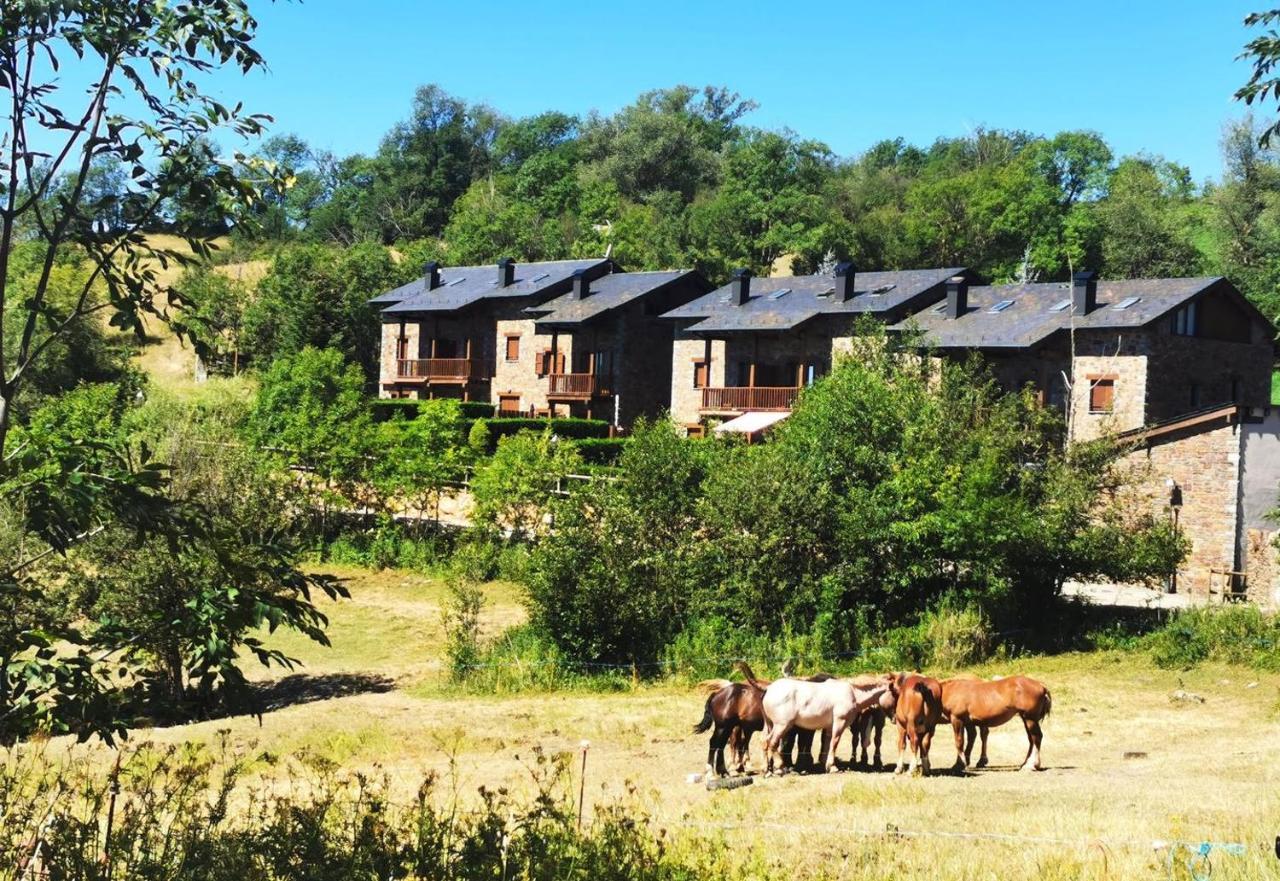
{"x": 379, "y": 699}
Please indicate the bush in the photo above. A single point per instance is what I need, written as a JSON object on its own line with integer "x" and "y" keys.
{"x": 572, "y": 429}
{"x": 707, "y": 647}
{"x": 461, "y": 624}
{"x": 1233, "y": 635}
{"x": 181, "y": 813}
{"x": 389, "y": 546}
{"x": 523, "y": 659}
{"x": 946, "y": 637}
{"x": 386, "y": 409}
{"x": 601, "y": 450}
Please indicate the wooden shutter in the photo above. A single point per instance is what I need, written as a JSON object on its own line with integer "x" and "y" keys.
{"x": 513, "y": 348}
{"x": 1102, "y": 395}
{"x": 701, "y": 373}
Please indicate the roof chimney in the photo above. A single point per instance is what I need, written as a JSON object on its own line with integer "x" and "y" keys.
{"x": 844, "y": 282}
{"x": 741, "y": 286}
{"x": 957, "y": 296}
{"x": 581, "y": 284}
{"x": 432, "y": 275}
{"x": 1084, "y": 292}
{"x": 506, "y": 272}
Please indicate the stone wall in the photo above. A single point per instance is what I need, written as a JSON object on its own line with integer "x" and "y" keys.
{"x": 1205, "y": 463}
{"x": 520, "y": 377}
{"x": 387, "y": 367}
{"x": 686, "y": 400}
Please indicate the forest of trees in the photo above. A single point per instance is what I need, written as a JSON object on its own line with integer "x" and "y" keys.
{"x": 680, "y": 178}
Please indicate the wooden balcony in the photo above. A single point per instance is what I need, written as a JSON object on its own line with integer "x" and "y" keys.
{"x": 740, "y": 399}
{"x": 442, "y": 370}
{"x": 574, "y": 386}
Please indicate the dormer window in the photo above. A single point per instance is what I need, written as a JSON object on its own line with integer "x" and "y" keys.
{"x": 1184, "y": 320}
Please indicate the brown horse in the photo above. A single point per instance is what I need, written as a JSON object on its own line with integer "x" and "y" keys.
{"x": 734, "y": 710}
{"x": 871, "y": 723}
{"x": 978, "y": 706}
{"x": 917, "y": 711}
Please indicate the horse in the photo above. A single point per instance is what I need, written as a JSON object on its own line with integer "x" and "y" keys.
{"x": 829, "y": 706}
{"x": 977, "y": 705}
{"x": 734, "y": 711}
{"x": 871, "y": 722}
{"x": 917, "y": 711}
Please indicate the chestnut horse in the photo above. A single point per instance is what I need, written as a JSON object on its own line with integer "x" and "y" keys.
{"x": 978, "y": 705}
{"x": 917, "y": 711}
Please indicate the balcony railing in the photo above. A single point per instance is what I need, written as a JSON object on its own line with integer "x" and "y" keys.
{"x": 743, "y": 398}
{"x": 572, "y": 385}
{"x": 439, "y": 369}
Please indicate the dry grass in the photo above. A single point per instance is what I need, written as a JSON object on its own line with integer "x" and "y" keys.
{"x": 1206, "y": 773}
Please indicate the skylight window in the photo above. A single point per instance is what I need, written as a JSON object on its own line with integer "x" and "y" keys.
{"x": 883, "y": 289}
{"x": 779, "y": 294}
{"x": 940, "y": 308}
{"x": 828, "y": 292}
{"x": 1126, "y": 303}
{"x": 455, "y": 282}
{"x": 1001, "y": 306}
{"x": 541, "y": 276}
{"x": 1060, "y": 306}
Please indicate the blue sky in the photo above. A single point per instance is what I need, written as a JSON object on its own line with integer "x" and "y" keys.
{"x": 1153, "y": 76}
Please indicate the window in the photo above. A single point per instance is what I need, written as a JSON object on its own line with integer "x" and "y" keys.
{"x": 508, "y": 405}
{"x": 701, "y": 373}
{"x": 402, "y": 347}
{"x": 548, "y": 364}
{"x": 1102, "y": 394}
{"x": 513, "y": 348}
{"x": 1184, "y": 320}
{"x": 1001, "y": 306}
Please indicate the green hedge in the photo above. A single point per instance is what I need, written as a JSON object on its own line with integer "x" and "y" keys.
{"x": 391, "y": 408}
{"x": 601, "y": 450}
{"x": 574, "y": 429}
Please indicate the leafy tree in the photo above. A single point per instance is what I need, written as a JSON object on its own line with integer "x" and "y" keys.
{"x": 144, "y": 112}
{"x": 1245, "y": 217}
{"x": 1143, "y": 221}
{"x": 317, "y": 296}
{"x": 1264, "y": 53}
{"x": 418, "y": 458}
{"x": 515, "y": 488}
{"x": 611, "y": 582}
{"x": 185, "y": 602}
{"x": 213, "y": 312}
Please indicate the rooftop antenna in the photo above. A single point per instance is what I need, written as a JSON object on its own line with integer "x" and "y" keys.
{"x": 608, "y": 251}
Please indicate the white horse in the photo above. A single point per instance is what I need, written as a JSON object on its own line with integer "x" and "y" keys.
{"x": 830, "y": 707}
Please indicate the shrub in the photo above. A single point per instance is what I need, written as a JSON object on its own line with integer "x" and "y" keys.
{"x": 182, "y": 814}
{"x": 572, "y": 429}
{"x": 707, "y": 647}
{"x": 523, "y": 658}
{"x": 601, "y": 450}
{"x": 461, "y": 623}
{"x": 1233, "y": 635}
{"x": 947, "y": 637}
{"x": 386, "y": 409}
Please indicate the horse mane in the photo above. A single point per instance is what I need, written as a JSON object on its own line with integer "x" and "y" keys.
{"x": 711, "y": 686}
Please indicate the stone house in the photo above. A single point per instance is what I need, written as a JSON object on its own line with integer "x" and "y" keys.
{"x": 601, "y": 350}
{"x": 751, "y": 345}
{"x": 1113, "y": 355}
{"x": 1214, "y": 474}
{"x": 461, "y": 331}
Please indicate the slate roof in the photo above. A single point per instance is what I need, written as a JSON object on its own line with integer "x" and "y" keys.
{"x": 1030, "y": 319}
{"x": 606, "y": 293}
{"x": 876, "y": 293}
{"x": 461, "y": 286}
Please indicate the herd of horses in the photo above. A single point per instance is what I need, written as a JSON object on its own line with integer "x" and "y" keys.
{"x": 790, "y": 711}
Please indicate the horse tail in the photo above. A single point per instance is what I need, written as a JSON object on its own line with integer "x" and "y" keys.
{"x": 1047, "y": 703}
{"x": 743, "y": 668}
{"x": 708, "y": 719}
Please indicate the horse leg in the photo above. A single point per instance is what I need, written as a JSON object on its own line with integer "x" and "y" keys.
{"x": 983, "y": 731}
{"x": 744, "y": 756}
{"x": 902, "y": 745}
{"x": 913, "y": 740}
{"x": 834, "y": 733}
{"x": 926, "y": 741}
{"x": 957, "y": 728}
{"x": 1034, "y": 737}
{"x": 971, "y": 734}
{"x": 864, "y": 742}
{"x": 878, "y": 724}
{"x": 715, "y": 761}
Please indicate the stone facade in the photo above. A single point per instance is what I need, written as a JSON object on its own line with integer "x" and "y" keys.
{"x": 1204, "y": 463}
